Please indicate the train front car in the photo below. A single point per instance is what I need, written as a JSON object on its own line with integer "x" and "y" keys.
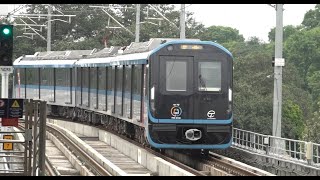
{"x": 190, "y": 96}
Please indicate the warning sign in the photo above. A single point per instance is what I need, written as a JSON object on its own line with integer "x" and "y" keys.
{"x": 15, "y": 104}
{"x": 7, "y": 145}
{"x": 16, "y": 108}
{"x": 11, "y": 108}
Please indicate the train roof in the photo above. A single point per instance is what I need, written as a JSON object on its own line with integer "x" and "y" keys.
{"x": 54, "y": 59}
{"x": 135, "y": 53}
{"x": 41, "y": 64}
{"x": 126, "y": 59}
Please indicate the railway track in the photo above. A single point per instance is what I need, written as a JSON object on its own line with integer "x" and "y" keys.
{"x": 212, "y": 161}
{"x": 212, "y": 164}
{"x": 227, "y": 167}
{"x": 85, "y": 158}
{"x": 58, "y": 165}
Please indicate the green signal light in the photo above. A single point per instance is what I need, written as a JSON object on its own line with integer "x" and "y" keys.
{"x": 6, "y": 31}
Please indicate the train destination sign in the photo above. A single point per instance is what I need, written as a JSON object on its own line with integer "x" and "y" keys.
{"x": 11, "y": 108}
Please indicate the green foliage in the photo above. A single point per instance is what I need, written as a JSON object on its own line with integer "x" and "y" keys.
{"x": 252, "y": 87}
{"x": 253, "y": 91}
{"x": 303, "y": 50}
{"x": 312, "y": 128}
{"x": 90, "y": 26}
{"x": 287, "y": 32}
{"x": 314, "y": 84}
{"x": 221, "y": 34}
{"x": 293, "y": 122}
{"x": 86, "y": 44}
{"x": 312, "y": 18}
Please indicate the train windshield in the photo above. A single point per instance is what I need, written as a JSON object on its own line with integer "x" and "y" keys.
{"x": 176, "y": 76}
{"x": 209, "y": 76}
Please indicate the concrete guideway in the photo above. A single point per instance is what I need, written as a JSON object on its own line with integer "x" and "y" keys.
{"x": 153, "y": 164}
{"x": 64, "y": 162}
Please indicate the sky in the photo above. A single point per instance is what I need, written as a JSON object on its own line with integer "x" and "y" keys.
{"x": 249, "y": 19}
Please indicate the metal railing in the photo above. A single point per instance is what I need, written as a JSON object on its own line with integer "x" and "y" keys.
{"x": 295, "y": 150}
{"x": 31, "y": 141}
{"x": 11, "y": 160}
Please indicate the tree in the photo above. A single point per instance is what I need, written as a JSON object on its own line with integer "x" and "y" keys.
{"x": 221, "y": 34}
{"x": 312, "y": 129}
{"x": 312, "y": 18}
{"x": 287, "y": 32}
{"x": 314, "y": 85}
{"x": 253, "y": 91}
{"x": 89, "y": 29}
{"x": 303, "y": 49}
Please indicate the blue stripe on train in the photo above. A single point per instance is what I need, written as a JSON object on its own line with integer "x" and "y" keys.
{"x": 192, "y": 42}
{"x": 190, "y": 121}
{"x": 138, "y": 98}
{"x": 65, "y": 88}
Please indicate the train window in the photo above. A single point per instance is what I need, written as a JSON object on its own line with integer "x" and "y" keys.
{"x": 209, "y": 76}
{"x": 102, "y": 78}
{"x": 44, "y": 78}
{"x": 176, "y": 76}
{"x": 63, "y": 77}
{"x": 93, "y": 79}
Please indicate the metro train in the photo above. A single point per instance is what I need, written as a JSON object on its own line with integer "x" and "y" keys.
{"x": 166, "y": 93}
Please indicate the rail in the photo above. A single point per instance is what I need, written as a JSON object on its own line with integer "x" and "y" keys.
{"x": 228, "y": 167}
{"x": 93, "y": 164}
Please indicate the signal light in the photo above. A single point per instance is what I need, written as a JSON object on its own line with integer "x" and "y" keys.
{"x": 6, "y": 31}
{"x": 6, "y": 44}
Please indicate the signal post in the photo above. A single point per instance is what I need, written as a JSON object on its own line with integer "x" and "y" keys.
{"x": 6, "y": 50}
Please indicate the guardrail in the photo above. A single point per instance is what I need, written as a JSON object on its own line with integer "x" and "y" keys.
{"x": 295, "y": 150}
{"x": 31, "y": 152}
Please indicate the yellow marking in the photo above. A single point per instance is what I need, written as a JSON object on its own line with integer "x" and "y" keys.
{"x": 8, "y": 146}
{"x": 15, "y": 104}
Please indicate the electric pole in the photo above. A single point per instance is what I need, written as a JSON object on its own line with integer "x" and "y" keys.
{"x": 49, "y": 29}
{"x": 279, "y": 62}
{"x": 182, "y": 22}
{"x": 137, "y": 22}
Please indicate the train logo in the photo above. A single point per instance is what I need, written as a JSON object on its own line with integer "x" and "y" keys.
{"x": 176, "y": 111}
{"x": 211, "y": 114}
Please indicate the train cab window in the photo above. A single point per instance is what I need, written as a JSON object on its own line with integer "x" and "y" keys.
{"x": 209, "y": 76}
{"x": 176, "y": 76}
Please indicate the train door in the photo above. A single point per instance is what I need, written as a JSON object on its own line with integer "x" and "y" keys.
{"x": 175, "y": 100}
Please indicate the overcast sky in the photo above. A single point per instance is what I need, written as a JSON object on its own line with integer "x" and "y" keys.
{"x": 249, "y": 19}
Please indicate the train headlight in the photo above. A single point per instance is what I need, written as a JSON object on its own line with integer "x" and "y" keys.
{"x": 229, "y": 111}
{"x": 170, "y": 48}
{"x": 152, "y": 98}
{"x": 152, "y": 93}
